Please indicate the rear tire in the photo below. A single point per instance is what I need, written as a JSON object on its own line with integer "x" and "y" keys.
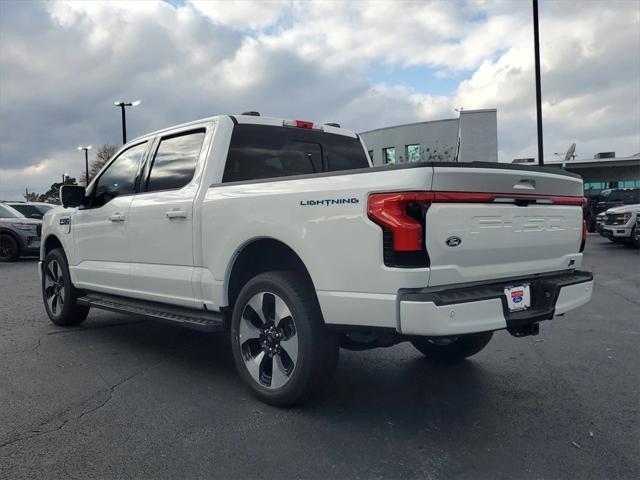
{"x": 9, "y": 248}
{"x": 58, "y": 293}
{"x": 280, "y": 345}
{"x": 451, "y": 349}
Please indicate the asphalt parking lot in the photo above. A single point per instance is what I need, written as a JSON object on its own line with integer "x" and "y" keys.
{"x": 123, "y": 398}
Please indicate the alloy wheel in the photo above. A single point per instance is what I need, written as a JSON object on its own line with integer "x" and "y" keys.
{"x": 54, "y": 287}
{"x": 268, "y": 340}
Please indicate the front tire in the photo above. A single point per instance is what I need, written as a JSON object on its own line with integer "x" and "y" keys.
{"x": 58, "y": 293}
{"x": 451, "y": 349}
{"x": 280, "y": 346}
{"x": 9, "y": 248}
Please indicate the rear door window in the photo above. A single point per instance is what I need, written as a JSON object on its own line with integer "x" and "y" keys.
{"x": 260, "y": 151}
{"x": 175, "y": 161}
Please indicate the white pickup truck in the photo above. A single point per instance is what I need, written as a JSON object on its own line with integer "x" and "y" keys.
{"x": 283, "y": 234}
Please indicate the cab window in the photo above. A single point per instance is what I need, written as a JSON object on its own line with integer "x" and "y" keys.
{"x": 175, "y": 161}
{"x": 120, "y": 176}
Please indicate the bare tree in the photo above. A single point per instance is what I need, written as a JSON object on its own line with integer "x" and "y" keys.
{"x": 103, "y": 154}
{"x": 30, "y": 196}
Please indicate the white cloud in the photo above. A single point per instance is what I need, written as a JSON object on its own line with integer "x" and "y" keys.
{"x": 63, "y": 63}
{"x": 242, "y": 13}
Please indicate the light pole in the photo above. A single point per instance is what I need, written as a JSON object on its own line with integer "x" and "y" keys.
{"x": 64, "y": 178}
{"x": 86, "y": 162}
{"x": 536, "y": 49}
{"x": 122, "y": 106}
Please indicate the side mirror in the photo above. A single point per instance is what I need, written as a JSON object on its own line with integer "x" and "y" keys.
{"x": 71, "y": 195}
{"x": 37, "y": 216}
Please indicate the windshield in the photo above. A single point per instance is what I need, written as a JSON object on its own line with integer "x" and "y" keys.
{"x": 8, "y": 212}
{"x": 625, "y": 196}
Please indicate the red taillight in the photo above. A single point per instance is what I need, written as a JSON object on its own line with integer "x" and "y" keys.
{"x": 584, "y": 235}
{"x": 392, "y": 210}
{"x": 298, "y": 124}
{"x": 482, "y": 197}
{"x": 389, "y": 210}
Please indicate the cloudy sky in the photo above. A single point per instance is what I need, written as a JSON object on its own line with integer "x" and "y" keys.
{"x": 362, "y": 64}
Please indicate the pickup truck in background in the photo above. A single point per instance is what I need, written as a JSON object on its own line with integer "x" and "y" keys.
{"x": 606, "y": 199}
{"x": 619, "y": 224}
{"x": 283, "y": 234}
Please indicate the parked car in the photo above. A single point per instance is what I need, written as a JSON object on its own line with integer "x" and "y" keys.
{"x": 18, "y": 235}
{"x": 620, "y": 223}
{"x": 31, "y": 209}
{"x": 608, "y": 199}
{"x": 281, "y": 232}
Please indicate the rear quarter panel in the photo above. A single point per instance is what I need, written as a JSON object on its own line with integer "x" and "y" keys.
{"x": 340, "y": 246}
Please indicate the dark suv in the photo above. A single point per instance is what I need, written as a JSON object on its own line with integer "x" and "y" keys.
{"x": 18, "y": 235}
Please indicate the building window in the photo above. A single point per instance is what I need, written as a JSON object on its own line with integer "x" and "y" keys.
{"x": 371, "y": 155}
{"x": 389, "y": 155}
{"x": 412, "y": 153}
{"x": 630, "y": 184}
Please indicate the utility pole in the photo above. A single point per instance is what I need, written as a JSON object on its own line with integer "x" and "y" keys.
{"x": 536, "y": 43}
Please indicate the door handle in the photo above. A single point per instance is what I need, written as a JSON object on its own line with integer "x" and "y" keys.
{"x": 116, "y": 217}
{"x": 176, "y": 214}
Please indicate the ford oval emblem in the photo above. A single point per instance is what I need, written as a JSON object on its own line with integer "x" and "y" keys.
{"x": 453, "y": 241}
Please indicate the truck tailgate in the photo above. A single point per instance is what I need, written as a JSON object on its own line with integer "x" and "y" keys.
{"x": 502, "y": 222}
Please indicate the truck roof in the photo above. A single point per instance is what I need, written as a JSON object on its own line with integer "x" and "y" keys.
{"x": 250, "y": 119}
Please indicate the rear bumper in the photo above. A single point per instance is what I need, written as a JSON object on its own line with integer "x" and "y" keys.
{"x": 472, "y": 309}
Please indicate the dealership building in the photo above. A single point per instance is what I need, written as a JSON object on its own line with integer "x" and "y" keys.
{"x": 473, "y": 136}
{"x": 603, "y": 171}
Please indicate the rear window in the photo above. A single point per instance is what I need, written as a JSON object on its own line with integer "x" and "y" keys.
{"x": 26, "y": 210}
{"x": 261, "y": 151}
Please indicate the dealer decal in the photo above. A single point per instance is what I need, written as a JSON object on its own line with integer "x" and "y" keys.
{"x": 517, "y": 296}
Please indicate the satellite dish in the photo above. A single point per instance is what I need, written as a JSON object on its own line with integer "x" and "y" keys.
{"x": 569, "y": 155}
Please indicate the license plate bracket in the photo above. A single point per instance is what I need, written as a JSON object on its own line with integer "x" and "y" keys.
{"x": 518, "y": 297}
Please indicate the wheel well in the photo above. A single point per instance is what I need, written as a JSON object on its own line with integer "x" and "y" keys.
{"x": 259, "y": 256}
{"x": 12, "y": 235}
{"x": 51, "y": 243}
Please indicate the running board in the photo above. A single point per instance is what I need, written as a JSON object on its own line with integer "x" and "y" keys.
{"x": 186, "y": 317}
